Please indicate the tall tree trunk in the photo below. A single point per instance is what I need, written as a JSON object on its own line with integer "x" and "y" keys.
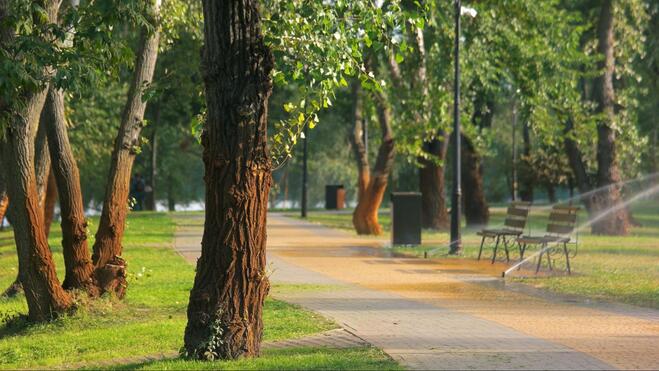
{"x": 171, "y": 201}
{"x": 476, "y": 209}
{"x": 110, "y": 273}
{"x": 527, "y": 175}
{"x": 608, "y": 173}
{"x": 49, "y": 202}
{"x": 151, "y": 201}
{"x": 226, "y": 301}
{"x": 15, "y": 288}
{"x": 41, "y": 162}
{"x": 77, "y": 258}
{"x": 44, "y": 295}
{"x": 371, "y": 186}
{"x": 431, "y": 183}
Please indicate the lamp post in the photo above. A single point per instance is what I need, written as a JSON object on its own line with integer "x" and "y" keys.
{"x": 456, "y": 200}
{"x": 304, "y": 172}
{"x": 514, "y": 149}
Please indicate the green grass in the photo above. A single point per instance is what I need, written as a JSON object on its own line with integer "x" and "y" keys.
{"x": 289, "y": 359}
{"x": 150, "y": 320}
{"x": 623, "y": 269}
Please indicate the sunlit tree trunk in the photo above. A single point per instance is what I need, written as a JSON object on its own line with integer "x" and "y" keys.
{"x": 49, "y": 202}
{"x": 77, "y": 257}
{"x": 432, "y": 185}
{"x": 226, "y": 301}
{"x": 110, "y": 273}
{"x": 527, "y": 174}
{"x": 371, "y": 185}
{"x": 608, "y": 173}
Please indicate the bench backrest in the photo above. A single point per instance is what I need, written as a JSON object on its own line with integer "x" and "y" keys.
{"x": 517, "y": 215}
{"x": 562, "y": 220}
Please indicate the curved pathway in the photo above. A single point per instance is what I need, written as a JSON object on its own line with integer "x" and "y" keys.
{"x": 430, "y": 314}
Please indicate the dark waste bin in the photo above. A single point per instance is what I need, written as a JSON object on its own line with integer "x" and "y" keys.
{"x": 406, "y": 218}
{"x": 335, "y": 196}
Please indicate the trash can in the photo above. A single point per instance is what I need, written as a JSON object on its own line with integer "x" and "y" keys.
{"x": 335, "y": 196}
{"x": 406, "y": 218}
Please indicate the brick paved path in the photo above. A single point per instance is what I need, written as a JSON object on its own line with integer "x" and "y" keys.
{"x": 434, "y": 315}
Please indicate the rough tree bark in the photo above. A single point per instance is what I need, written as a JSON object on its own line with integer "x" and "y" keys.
{"x": 45, "y": 297}
{"x": 110, "y": 267}
{"x": 608, "y": 173}
{"x": 371, "y": 185}
{"x": 226, "y": 301}
{"x": 77, "y": 258}
{"x": 41, "y": 162}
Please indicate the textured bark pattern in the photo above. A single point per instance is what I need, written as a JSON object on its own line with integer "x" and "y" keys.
{"x": 44, "y": 295}
{"x": 608, "y": 173}
{"x": 77, "y": 257}
{"x": 110, "y": 267}
{"x": 226, "y": 301}
{"x": 476, "y": 210}
{"x": 372, "y": 185}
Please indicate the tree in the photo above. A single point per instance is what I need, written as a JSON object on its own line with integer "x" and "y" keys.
{"x": 110, "y": 267}
{"x": 371, "y": 186}
{"x": 45, "y": 297}
{"x": 77, "y": 258}
{"x": 226, "y": 301}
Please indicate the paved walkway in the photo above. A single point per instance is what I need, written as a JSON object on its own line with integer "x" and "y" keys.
{"x": 430, "y": 314}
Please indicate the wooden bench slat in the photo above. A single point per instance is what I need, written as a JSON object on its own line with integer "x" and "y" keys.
{"x": 515, "y": 223}
{"x": 566, "y": 218}
{"x": 559, "y": 228}
{"x": 518, "y": 212}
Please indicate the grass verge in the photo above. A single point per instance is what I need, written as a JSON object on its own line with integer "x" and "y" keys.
{"x": 152, "y": 317}
{"x": 610, "y": 268}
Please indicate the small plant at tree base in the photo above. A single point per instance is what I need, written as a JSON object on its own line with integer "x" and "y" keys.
{"x": 207, "y": 350}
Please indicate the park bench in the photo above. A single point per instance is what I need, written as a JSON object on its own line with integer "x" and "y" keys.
{"x": 560, "y": 227}
{"x": 513, "y": 227}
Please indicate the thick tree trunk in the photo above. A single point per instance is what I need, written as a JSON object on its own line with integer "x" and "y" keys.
{"x": 226, "y": 302}
{"x": 371, "y": 186}
{"x": 608, "y": 173}
{"x": 432, "y": 184}
{"x": 110, "y": 273}
{"x": 77, "y": 258}
{"x": 476, "y": 210}
{"x": 49, "y": 202}
{"x": 45, "y": 297}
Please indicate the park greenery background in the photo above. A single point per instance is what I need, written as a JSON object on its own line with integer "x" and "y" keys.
{"x": 350, "y": 72}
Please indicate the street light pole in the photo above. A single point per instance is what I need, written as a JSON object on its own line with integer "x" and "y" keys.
{"x": 456, "y": 243}
{"x": 514, "y": 149}
{"x": 304, "y": 172}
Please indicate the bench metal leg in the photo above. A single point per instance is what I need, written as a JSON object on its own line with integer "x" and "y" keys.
{"x": 522, "y": 250}
{"x": 496, "y": 246}
{"x": 481, "y": 250}
{"x": 567, "y": 258}
{"x": 542, "y": 251}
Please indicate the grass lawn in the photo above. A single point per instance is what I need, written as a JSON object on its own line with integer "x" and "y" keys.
{"x": 151, "y": 319}
{"x": 622, "y": 269}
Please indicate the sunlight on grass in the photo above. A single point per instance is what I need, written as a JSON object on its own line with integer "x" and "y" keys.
{"x": 623, "y": 269}
{"x": 150, "y": 320}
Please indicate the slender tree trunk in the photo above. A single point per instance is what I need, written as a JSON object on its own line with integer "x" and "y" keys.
{"x": 45, "y": 297}
{"x": 608, "y": 173}
{"x": 551, "y": 193}
{"x": 15, "y": 288}
{"x": 151, "y": 204}
{"x": 110, "y": 273}
{"x": 171, "y": 201}
{"x": 77, "y": 258}
{"x": 49, "y": 202}
{"x": 527, "y": 175}
{"x": 226, "y": 301}
{"x": 41, "y": 162}
{"x": 371, "y": 186}
{"x": 476, "y": 209}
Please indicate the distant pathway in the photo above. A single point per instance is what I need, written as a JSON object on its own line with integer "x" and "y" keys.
{"x": 440, "y": 315}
